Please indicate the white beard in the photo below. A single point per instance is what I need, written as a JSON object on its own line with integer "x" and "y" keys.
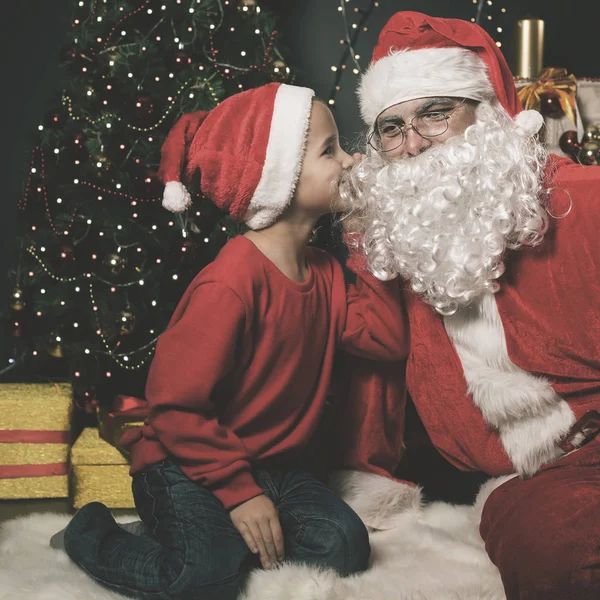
{"x": 443, "y": 220}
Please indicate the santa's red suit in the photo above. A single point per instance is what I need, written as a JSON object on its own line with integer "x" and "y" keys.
{"x": 510, "y": 385}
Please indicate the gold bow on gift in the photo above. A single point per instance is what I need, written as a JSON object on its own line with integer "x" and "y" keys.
{"x": 555, "y": 81}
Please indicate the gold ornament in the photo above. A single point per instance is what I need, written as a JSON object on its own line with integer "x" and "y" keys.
{"x": 17, "y": 300}
{"x": 248, "y": 6}
{"x": 590, "y": 153}
{"x": 55, "y": 347}
{"x": 592, "y": 134}
{"x": 102, "y": 164}
{"x": 281, "y": 72}
{"x": 115, "y": 263}
{"x": 126, "y": 322}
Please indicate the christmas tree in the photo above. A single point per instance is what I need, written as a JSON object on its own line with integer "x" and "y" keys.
{"x": 101, "y": 264}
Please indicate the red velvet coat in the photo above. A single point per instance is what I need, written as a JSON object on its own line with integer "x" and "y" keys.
{"x": 549, "y": 304}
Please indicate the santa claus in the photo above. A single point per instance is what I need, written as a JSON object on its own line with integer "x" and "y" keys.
{"x": 497, "y": 248}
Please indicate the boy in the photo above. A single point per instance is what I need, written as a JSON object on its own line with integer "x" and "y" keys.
{"x": 240, "y": 377}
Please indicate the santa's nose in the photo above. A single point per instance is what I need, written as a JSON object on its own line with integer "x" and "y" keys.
{"x": 414, "y": 144}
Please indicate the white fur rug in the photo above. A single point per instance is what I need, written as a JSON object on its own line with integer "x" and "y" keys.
{"x": 431, "y": 554}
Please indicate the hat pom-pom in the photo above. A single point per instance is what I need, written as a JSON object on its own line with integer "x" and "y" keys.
{"x": 529, "y": 122}
{"x": 176, "y": 198}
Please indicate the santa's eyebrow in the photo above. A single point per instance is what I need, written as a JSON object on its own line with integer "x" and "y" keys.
{"x": 442, "y": 102}
{"x": 390, "y": 119}
{"x": 427, "y": 106}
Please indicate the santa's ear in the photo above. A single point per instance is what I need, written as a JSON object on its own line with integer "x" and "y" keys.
{"x": 528, "y": 122}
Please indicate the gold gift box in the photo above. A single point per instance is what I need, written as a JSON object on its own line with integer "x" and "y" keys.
{"x": 35, "y": 406}
{"x": 99, "y": 473}
{"x": 30, "y": 415}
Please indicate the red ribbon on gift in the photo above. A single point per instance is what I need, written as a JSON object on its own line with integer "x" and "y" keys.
{"x": 25, "y": 436}
{"x": 19, "y": 471}
{"x": 22, "y": 436}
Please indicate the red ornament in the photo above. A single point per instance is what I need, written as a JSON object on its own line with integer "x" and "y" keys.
{"x": 110, "y": 92}
{"x": 66, "y": 253}
{"x": 150, "y": 184}
{"x": 78, "y": 60}
{"x": 143, "y": 108}
{"x": 550, "y": 106}
{"x": 78, "y": 139}
{"x": 181, "y": 61}
{"x": 68, "y": 53}
{"x": 187, "y": 254}
{"x": 55, "y": 119}
{"x": 152, "y": 175}
{"x": 569, "y": 144}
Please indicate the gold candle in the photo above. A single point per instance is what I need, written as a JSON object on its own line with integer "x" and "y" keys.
{"x": 530, "y": 47}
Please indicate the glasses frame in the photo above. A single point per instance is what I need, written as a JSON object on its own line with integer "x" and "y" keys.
{"x": 406, "y": 128}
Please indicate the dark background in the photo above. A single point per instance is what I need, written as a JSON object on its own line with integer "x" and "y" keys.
{"x": 32, "y": 32}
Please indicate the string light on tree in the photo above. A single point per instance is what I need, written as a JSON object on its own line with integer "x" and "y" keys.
{"x": 484, "y": 14}
{"x": 352, "y": 32}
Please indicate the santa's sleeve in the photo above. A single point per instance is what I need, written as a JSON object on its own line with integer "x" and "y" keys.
{"x": 574, "y": 202}
{"x": 376, "y": 325}
{"x": 195, "y": 353}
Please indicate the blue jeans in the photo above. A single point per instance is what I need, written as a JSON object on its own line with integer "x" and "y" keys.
{"x": 194, "y": 552}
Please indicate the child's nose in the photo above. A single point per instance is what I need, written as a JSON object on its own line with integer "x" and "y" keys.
{"x": 347, "y": 160}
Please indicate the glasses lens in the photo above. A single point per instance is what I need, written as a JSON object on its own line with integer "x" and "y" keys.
{"x": 385, "y": 143}
{"x": 431, "y": 124}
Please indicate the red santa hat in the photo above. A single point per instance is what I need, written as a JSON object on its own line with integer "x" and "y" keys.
{"x": 418, "y": 56}
{"x": 248, "y": 152}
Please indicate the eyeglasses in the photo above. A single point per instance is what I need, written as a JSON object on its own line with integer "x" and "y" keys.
{"x": 389, "y": 135}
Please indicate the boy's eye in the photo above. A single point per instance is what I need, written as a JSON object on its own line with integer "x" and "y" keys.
{"x": 328, "y": 150}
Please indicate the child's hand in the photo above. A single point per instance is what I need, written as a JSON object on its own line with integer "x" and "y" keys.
{"x": 258, "y": 523}
{"x": 357, "y": 156}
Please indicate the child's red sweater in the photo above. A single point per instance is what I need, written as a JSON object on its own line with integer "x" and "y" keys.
{"x": 241, "y": 375}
